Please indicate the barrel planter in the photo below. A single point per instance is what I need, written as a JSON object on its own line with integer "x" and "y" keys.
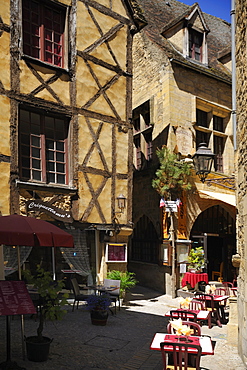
{"x": 38, "y": 351}
{"x": 99, "y": 317}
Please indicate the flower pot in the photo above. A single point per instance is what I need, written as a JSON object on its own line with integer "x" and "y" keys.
{"x": 99, "y": 317}
{"x": 38, "y": 351}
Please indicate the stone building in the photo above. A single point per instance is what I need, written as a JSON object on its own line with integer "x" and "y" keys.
{"x": 182, "y": 97}
{"x": 65, "y": 103}
{"x": 241, "y": 93}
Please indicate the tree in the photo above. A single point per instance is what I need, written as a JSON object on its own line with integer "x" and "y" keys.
{"x": 173, "y": 176}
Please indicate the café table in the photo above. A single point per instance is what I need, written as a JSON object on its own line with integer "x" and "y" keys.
{"x": 217, "y": 299}
{"x": 204, "y": 341}
{"x": 201, "y": 315}
{"x": 193, "y": 278}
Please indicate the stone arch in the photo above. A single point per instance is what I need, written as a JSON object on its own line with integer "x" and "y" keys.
{"x": 217, "y": 229}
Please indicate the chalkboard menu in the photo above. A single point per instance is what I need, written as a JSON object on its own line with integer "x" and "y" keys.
{"x": 15, "y": 299}
{"x": 116, "y": 252}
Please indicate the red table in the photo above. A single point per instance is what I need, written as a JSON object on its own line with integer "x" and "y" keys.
{"x": 204, "y": 342}
{"x": 192, "y": 278}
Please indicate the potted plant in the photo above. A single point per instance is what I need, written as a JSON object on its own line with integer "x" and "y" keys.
{"x": 50, "y": 305}
{"x": 99, "y": 308}
{"x": 196, "y": 259}
{"x": 127, "y": 280}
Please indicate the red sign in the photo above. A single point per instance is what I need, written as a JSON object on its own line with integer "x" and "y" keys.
{"x": 15, "y": 299}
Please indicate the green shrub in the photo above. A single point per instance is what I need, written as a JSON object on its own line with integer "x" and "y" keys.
{"x": 127, "y": 280}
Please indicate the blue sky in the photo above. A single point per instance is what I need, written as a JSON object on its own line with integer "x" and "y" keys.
{"x": 219, "y": 8}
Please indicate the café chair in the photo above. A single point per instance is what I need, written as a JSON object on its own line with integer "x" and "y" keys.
{"x": 184, "y": 315}
{"x": 113, "y": 294}
{"x": 208, "y": 301}
{"x": 218, "y": 273}
{"x": 196, "y": 329}
{"x": 197, "y": 305}
{"x": 78, "y": 296}
{"x": 228, "y": 287}
{"x": 179, "y": 356}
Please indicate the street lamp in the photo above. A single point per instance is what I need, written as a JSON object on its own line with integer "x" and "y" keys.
{"x": 203, "y": 160}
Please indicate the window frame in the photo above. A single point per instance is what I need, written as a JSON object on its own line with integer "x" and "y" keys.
{"x": 143, "y": 141}
{"x": 41, "y": 149}
{"x": 195, "y": 45}
{"x": 54, "y": 7}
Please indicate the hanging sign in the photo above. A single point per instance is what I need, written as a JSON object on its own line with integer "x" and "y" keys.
{"x": 171, "y": 206}
{"x": 55, "y": 212}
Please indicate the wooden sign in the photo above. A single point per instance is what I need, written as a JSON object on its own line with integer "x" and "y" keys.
{"x": 15, "y": 299}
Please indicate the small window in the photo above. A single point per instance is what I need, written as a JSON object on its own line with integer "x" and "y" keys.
{"x": 202, "y": 137}
{"x": 195, "y": 45}
{"x": 218, "y": 123}
{"x": 201, "y": 118}
{"x": 43, "y": 147}
{"x": 218, "y": 151}
{"x": 43, "y": 31}
{"x": 142, "y": 135}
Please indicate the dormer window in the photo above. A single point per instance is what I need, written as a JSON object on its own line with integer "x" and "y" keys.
{"x": 195, "y": 45}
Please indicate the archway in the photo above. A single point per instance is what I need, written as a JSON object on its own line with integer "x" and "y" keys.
{"x": 215, "y": 230}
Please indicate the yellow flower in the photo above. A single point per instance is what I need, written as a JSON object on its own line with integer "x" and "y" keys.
{"x": 185, "y": 302}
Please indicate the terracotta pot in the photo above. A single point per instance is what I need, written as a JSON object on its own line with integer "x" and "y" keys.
{"x": 99, "y": 317}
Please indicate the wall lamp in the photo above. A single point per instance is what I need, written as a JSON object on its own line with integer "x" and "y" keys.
{"x": 121, "y": 202}
{"x": 203, "y": 160}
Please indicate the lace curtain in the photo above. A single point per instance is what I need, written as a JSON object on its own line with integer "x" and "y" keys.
{"x": 77, "y": 258}
{"x": 11, "y": 258}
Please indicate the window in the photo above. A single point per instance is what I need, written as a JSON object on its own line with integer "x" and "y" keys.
{"x": 201, "y": 118}
{"x": 43, "y": 147}
{"x": 210, "y": 129}
{"x": 218, "y": 123}
{"x": 142, "y": 136}
{"x": 43, "y": 31}
{"x": 218, "y": 151}
{"x": 195, "y": 45}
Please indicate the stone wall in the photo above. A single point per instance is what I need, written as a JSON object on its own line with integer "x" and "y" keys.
{"x": 241, "y": 88}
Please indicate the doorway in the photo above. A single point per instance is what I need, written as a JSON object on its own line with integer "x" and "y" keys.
{"x": 214, "y": 229}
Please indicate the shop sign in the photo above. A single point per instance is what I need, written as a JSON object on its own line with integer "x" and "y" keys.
{"x": 55, "y": 212}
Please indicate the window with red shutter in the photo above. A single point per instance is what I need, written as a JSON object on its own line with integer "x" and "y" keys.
{"x": 43, "y": 143}
{"x": 43, "y": 26}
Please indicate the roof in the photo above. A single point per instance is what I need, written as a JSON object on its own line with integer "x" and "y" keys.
{"x": 161, "y": 14}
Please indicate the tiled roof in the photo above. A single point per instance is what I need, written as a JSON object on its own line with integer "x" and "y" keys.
{"x": 160, "y": 13}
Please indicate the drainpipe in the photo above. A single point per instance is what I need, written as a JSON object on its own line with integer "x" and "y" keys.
{"x": 234, "y": 117}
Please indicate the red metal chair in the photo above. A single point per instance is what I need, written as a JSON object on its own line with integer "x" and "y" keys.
{"x": 178, "y": 354}
{"x": 193, "y": 325}
{"x": 208, "y": 300}
{"x": 183, "y": 314}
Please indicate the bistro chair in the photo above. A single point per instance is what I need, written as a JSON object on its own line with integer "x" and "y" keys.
{"x": 114, "y": 294}
{"x": 228, "y": 287}
{"x": 184, "y": 315}
{"x": 178, "y": 354}
{"x": 196, "y": 329}
{"x": 78, "y": 296}
{"x": 218, "y": 273}
{"x": 208, "y": 301}
{"x": 197, "y": 305}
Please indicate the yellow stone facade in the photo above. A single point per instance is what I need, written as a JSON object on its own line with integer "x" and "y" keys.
{"x": 93, "y": 92}
{"x": 175, "y": 88}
